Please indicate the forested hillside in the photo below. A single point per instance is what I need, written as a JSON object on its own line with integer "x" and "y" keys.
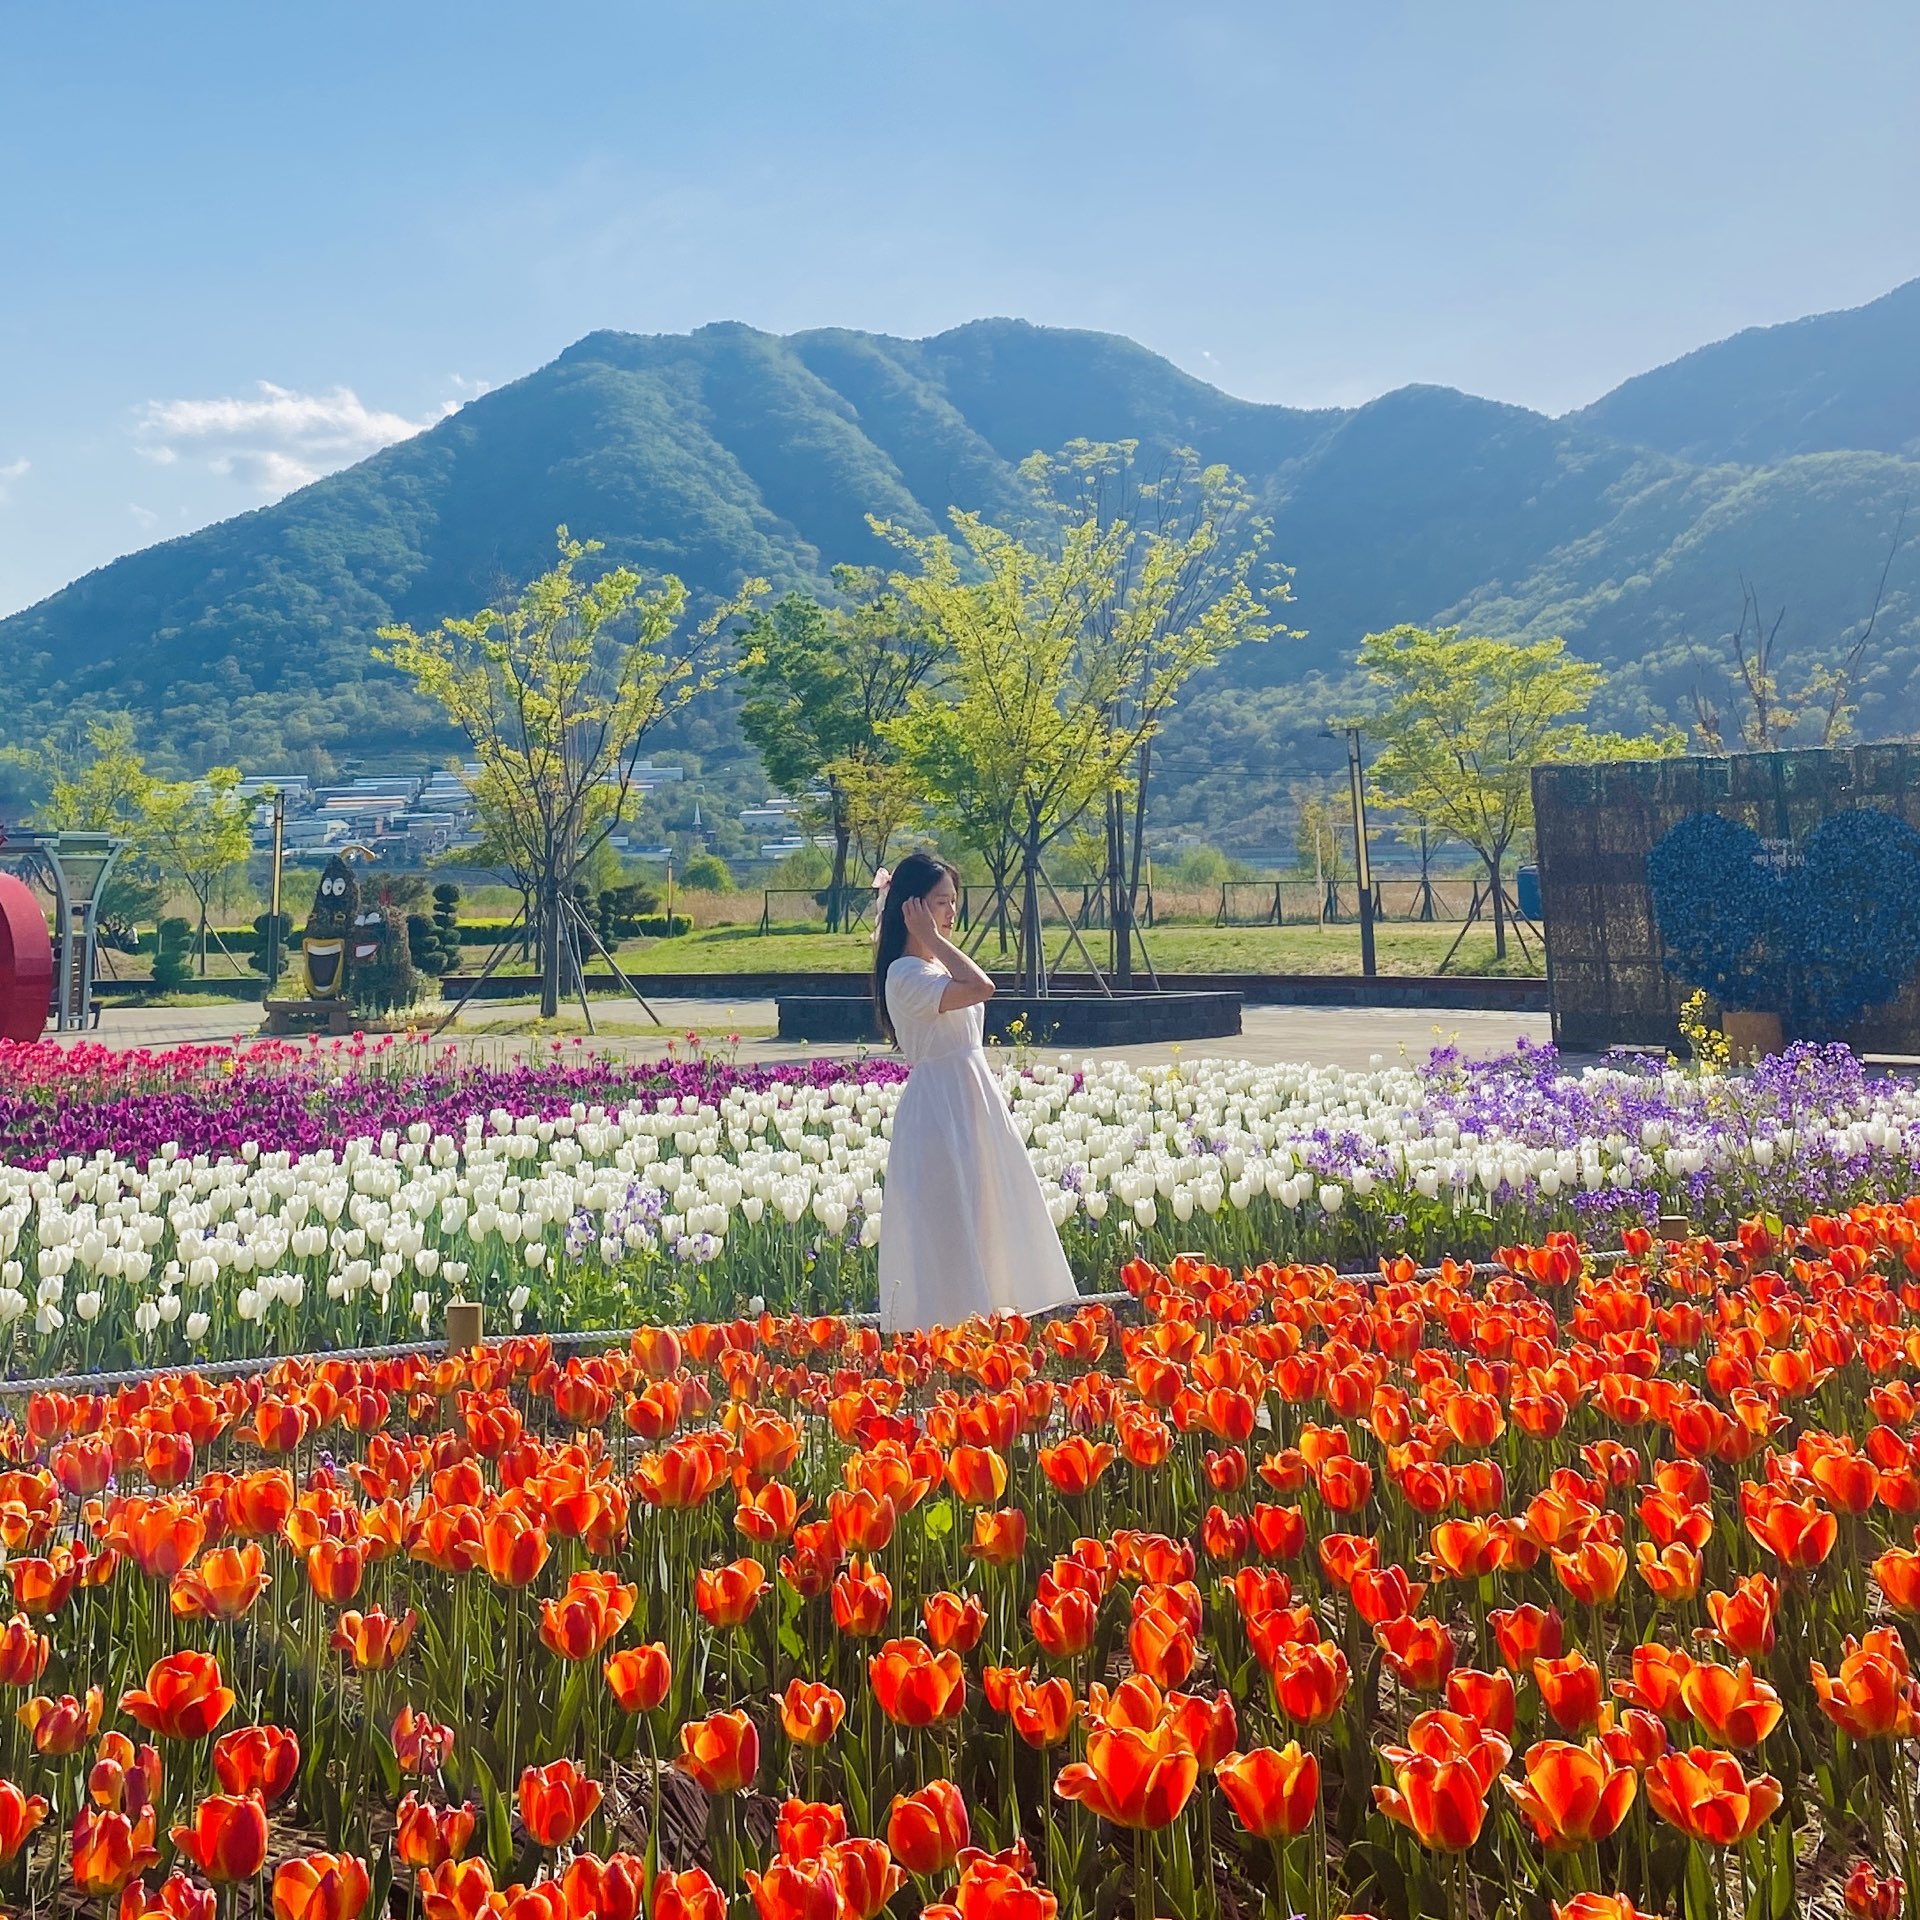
{"x": 1779, "y": 458}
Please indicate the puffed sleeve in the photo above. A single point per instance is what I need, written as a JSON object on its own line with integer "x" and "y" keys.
{"x": 914, "y": 988}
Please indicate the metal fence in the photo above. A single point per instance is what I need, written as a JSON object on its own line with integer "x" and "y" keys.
{"x": 1595, "y": 826}
{"x": 1297, "y": 903}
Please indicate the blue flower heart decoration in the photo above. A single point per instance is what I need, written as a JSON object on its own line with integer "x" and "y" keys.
{"x": 1821, "y": 936}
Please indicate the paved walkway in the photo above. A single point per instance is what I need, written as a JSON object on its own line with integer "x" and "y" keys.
{"x": 1330, "y": 1036}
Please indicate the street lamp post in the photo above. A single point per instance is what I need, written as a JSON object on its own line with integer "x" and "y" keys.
{"x": 1362, "y": 866}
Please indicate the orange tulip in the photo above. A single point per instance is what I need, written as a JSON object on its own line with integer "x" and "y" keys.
{"x": 336, "y": 1568}
{"x": 1744, "y": 1620}
{"x": 1658, "y": 1674}
{"x": 1598, "y": 1906}
{"x": 1132, "y": 1778}
{"x": 1708, "y": 1797}
{"x": 1729, "y": 1705}
{"x": 1868, "y": 1896}
{"x": 1442, "y": 1778}
{"x": 1042, "y": 1712}
{"x": 63, "y": 1726}
{"x": 1161, "y": 1643}
{"x": 1572, "y": 1795}
{"x": 610, "y": 1889}
{"x": 1592, "y": 1571}
{"x": 1798, "y": 1533}
{"x": 1897, "y": 1574}
{"x": 123, "y": 1781}
{"x": 727, "y": 1596}
{"x": 1873, "y": 1696}
{"x": 586, "y": 1617}
{"x": 457, "y": 1890}
{"x": 108, "y": 1850}
{"x": 811, "y": 1713}
{"x": 221, "y": 1585}
{"x": 1526, "y": 1634}
{"x": 862, "y": 1598}
{"x": 427, "y": 1837}
{"x": 1074, "y": 1467}
{"x": 515, "y": 1548}
{"x": 264, "y": 1761}
{"x": 556, "y": 1801}
{"x": 1486, "y": 1697}
{"x": 1468, "y": 1549}
{"x": 914, "y": 1686}
{"x": 1420, "y": 1652}
{"x": 977, "y": 1475}
{"x": 1062, "y": 1621}
{"x": 420, "y": 1744}
{"x": 1000, "y": 1537}
{"x": 1384, "y": 1593}
{"x": 1671, "y": 1574}
{"x": 183, "y": 1698}
{"x": 954, "y": 1620}
{"x": 227, "y": 1839}
{"x": 375, "y": 1641}
{"x": 321, "y": 1886}
{"x": 20, "y": 1814}
{"x": 1310, "y": 1681}
{"x": 691, "y": 1895}
{"x": 638, "y": 1677}
{"x": 1570, "y": 1690}
{"x": 1274, "y": 1791}
{"x": 926, "y": 1830}
{"x": 23, "y": 1652}
{"x": 721, "y": 1753}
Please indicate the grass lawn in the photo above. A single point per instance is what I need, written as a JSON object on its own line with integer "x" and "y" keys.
{"x": 1399, "y": 948}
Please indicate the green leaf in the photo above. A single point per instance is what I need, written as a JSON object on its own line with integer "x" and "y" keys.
{"x": 938, "y": 1519}
{"x": 1698, "y": 1898}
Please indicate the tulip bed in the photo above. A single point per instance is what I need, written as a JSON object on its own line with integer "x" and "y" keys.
{"x": 1550, "y": 1586}
{"x": 216, "y": 1203}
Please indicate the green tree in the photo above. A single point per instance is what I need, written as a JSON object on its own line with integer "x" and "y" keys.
{"x": 823, "y": 683}
{"x": 706, "y": 873}
{"x": 556, "y": 692}
{"x": 1066, "y": 652}
{"x": 1462, "y": 722}
{"x": 199, "y": 831}
{"x": 95, "y": 780}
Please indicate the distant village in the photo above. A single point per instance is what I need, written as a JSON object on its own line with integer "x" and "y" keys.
{"x": 407, "y": 819}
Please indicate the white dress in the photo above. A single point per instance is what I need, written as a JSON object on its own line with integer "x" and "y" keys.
{"x": 964, "y": 1227}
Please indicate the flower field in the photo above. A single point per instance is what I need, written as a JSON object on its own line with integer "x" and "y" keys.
{"x": 1551, "y": 1585}
{"x": 210, "y": 1203}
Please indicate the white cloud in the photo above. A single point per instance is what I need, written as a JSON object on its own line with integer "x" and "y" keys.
{"x": 12, "y": 471}
{"x": 143, "y": 517}
{"x": 279, "y": 441}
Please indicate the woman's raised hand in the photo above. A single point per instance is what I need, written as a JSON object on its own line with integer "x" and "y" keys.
{"x": 920, "y": 923}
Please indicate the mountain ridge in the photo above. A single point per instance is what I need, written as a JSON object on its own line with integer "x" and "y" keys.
{"x": 730, "y": 452}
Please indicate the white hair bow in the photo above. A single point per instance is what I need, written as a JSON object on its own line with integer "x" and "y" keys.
{"x": 882, "y": 880}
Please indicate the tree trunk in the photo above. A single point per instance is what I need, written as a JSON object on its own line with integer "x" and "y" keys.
{"x": 203, "y": 937}
{"x": 1030, "y": 954}
{"x": 550, "y": 946}
{"x": 1499, "y": 910}
{"x": 837, "y": 885}
{"x": 1119, "y": 892}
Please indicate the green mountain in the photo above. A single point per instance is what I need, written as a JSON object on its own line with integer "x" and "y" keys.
{"x": 727, "y": 452}
{"x": 1833, "y": 382}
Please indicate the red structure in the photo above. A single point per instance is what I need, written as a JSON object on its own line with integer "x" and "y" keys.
{"x": 26, "y": 963}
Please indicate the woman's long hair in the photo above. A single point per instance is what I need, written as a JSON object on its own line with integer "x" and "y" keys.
{"x": 913, "y": 879}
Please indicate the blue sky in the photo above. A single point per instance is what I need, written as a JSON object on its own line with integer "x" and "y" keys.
{"x": 242, "y": 244}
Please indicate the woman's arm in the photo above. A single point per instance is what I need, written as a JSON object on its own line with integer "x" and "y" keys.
{"x": 970, "y": 985}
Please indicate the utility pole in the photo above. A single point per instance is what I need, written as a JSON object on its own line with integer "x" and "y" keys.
{"x": 1363, "y": 868}
{"x": 273, "y": 904}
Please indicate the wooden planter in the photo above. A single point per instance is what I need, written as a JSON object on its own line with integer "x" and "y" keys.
{"x": 1751, "y": 1036}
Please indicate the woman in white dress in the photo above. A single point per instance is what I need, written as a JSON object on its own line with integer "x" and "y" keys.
{"x": 964, "y": 1228}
